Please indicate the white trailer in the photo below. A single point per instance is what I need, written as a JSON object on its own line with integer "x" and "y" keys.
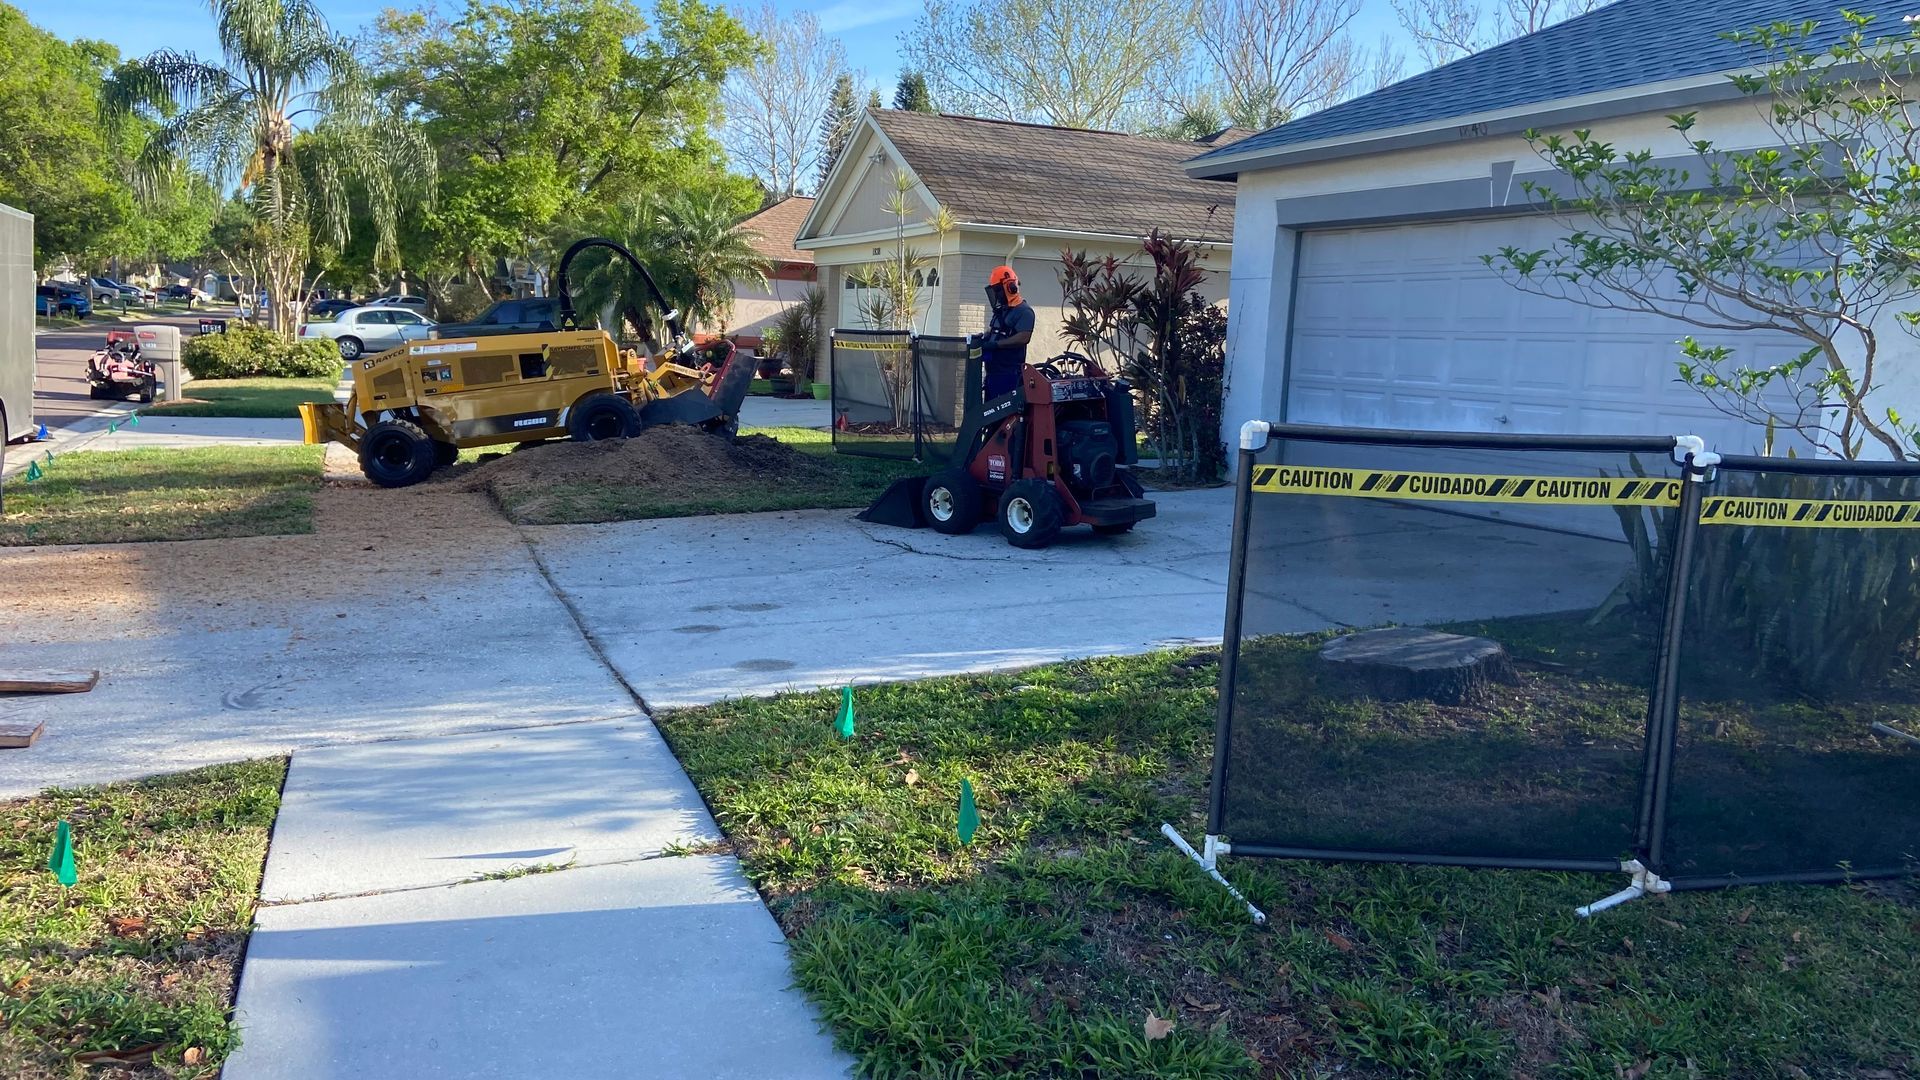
{"x": 16, "y": 327}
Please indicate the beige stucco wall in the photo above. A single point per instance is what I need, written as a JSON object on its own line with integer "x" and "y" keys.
{"x": 971, "y": 258}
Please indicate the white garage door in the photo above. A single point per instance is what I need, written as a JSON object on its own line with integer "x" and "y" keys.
{"x": 1405, "y": 327}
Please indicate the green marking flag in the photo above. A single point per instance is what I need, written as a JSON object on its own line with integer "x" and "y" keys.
{"x": 969, "y": 816}
{"x": 133, "y": 419}
{"x": 113, "y": 427}
{"x": 61, "y": 859}
{"x": 33, "y": 471}
{"x": 844, "y": 724}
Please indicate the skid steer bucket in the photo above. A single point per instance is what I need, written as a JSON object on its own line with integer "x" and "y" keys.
{"x": 899, "y": 505}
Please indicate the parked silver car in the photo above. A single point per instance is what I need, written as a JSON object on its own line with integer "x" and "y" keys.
{"x": 405, "y": 300}
{"x": 365, "y": 330}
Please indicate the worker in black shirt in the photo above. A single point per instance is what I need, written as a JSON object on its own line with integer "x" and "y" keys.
{"x": 1004, "y": 349}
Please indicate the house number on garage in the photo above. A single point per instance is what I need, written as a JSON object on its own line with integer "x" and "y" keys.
{"x": 1472, "y": 131}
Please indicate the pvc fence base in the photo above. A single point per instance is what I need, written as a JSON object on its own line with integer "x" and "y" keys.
{"x": 1644, "y": 881}
{"x": 1208, "y": 863}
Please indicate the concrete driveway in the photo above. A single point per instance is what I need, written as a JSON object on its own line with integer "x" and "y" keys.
{"x": 448, "y": 619}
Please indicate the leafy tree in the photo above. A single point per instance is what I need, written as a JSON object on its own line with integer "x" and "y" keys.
{"x": 691, "y": 243}
{"x": 911, "y": 93}
{"x": 55, "y": 161}
{"x": 836, "y": 126}
{"x": 776, "y": 104}
{"x": 1164, "y": 336}
{"x": 543, "y": 109}
{"x": 1813, "y": 237}
{"x": 1446, "y": 30}
{"x": 1075, "y": 63}
{"x": 284, "y": 70}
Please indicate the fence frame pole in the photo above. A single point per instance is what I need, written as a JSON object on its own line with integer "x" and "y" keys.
{"x": 1253, "y": 438}
{"x": 1699, "y": 467}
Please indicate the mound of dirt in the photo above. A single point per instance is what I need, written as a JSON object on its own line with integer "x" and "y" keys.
{"x": 671, "y": 460}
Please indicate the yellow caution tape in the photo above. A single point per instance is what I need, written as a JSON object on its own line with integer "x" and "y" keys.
{"x": 1581, "y": 491}
{"x": 1810, "y": 513}
{"x": 872, "y": 346}
{"x": 1466, "y": 487}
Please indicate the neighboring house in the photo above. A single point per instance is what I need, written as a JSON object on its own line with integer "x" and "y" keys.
{"x": 1359, "y": 296}
{"x": 1018, "y": 193}
{"x": 755, "y": 307}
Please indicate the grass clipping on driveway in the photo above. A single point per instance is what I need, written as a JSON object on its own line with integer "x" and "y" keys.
{"x": 106, "y": 497}
{"x": 141, "y": 958}
{"x": 677, "y": 471}
{"x": 1046, "y": 948}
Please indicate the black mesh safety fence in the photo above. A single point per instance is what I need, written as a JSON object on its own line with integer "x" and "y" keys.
{"x": 900, "y": 395}
{"x": 1797, "y": 743}
{"x": 872, "y": 379}
{"x": 945, "y": 379}
{"x": 1447, "y": 653}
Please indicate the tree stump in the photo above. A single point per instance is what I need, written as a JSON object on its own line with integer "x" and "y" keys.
{"x": 1408, "y": 663}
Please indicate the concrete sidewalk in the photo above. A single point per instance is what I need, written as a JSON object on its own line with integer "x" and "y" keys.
{"x": 627, "y": 957}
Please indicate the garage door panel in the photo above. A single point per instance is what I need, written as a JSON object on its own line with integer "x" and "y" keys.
{"x": 1405, "y": 326}
{"x": 1421, "y": 361}
{"x": 1481, "y": 363}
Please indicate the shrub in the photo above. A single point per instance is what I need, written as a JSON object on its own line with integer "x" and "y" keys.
{"x": 245, "y": 351}
{"x": 1805, "y": 609}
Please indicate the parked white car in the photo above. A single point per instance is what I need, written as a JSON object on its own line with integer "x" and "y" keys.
{"x": 362, "y": 330}
{"x": 408, "y": 300}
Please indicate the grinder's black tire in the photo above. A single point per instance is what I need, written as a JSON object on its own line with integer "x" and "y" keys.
{"x": 396, "y": 453}
{"x": 603, "y": 416}
{"x": 1031, "y": 513}
{"x": 951, "y": 502}
{"x": 444, "y": 454}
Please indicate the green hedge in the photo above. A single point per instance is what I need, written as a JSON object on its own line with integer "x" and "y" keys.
{"x": 245, "y": 351}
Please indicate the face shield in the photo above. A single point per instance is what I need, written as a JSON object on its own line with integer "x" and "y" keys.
{"x": 1003, "y": 288}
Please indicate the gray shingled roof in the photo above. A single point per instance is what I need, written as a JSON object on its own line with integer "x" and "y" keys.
{"x": 1628, "y": 43}
{"x": 996, "y": 172}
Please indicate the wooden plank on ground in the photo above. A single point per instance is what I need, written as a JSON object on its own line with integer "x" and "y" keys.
{"x": 47, "y": 682}
{"x": 18, "y": 735}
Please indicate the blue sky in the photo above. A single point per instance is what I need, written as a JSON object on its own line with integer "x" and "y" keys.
{"x": 870, "y": 28}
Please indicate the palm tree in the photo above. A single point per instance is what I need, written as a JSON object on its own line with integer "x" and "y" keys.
{"x": 289, "y": 115}
{"x": 693, "y": 246}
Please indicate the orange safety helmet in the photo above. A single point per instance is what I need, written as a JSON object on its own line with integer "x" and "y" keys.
{"x": 1004, "y": 279}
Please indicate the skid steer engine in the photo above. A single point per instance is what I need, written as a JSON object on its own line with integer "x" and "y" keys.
{"x": 415, "y": 407}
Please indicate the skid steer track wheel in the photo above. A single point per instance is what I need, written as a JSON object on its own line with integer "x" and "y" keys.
{"x": 951, "y": 501}
{"x": 396, "y": 453}
{"x": 603, "y": 416}
{"x": 1031, "y": 514}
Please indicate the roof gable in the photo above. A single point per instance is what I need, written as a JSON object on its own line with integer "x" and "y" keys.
{"x": 1030, "y": 176}
{"x": 1625, "y": 44}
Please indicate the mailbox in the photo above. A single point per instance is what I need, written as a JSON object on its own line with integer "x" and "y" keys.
{"x": 160, "y": 346}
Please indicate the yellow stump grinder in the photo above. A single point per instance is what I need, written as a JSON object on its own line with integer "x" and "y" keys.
{"x": 415, "y": 407}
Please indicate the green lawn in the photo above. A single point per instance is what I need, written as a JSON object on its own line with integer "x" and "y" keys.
{"x": 56, "y": 322}
{"x": 142, "y": 954}
{"x": 264, "y": 398}
{"x": 125, "y": 495}
{"x": 1043, "y": 949}
{"x": 843, "y": 482}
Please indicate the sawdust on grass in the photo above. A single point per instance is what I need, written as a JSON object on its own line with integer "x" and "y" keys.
{"x": 673, "y": 464}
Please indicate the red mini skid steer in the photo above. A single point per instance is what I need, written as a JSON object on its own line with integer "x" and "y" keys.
{"x": 1051, "y": 454}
